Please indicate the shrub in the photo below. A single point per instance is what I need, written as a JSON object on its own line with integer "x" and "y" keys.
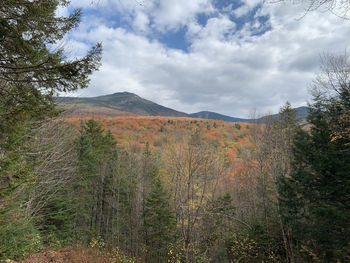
{"x": 18, "y": 238}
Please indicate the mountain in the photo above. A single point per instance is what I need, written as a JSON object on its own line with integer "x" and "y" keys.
{"x": 117, "y": 104}
{"x": 216, "y": 116}
{"x": 126, "y": 103}
{"x": 302, "y": 113}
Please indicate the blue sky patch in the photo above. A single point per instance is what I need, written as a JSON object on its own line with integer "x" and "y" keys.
{"x": 175, "y": 39}
{"x": 224, "y": 4}
{"x": 202, "y": 19}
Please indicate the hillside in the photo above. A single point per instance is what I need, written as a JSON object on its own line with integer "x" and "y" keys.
{"x": 136, "y": 131}
{"x": 127, "y": 104}
{"x": 117, "y": 104}
{"x": 216, "y": 116}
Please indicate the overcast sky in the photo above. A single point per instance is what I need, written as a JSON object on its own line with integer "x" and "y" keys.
{"x": 225, "y": 56}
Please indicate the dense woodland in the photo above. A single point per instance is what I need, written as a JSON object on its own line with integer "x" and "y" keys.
{"x": 158, "y": 189}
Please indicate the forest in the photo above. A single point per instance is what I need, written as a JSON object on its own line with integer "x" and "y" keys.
{"x": 161, "y": 189}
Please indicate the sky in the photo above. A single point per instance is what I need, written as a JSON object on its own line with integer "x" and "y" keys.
{"x": 228, "y": 56}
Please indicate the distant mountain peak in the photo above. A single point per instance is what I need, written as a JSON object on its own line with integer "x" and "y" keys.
{"x": 120, "y": 94}
{"x": 119, "y": 103}
{"x": 123, "y": 93}
{"x": 127, "y": 103}
{"x": 216, "y": 116}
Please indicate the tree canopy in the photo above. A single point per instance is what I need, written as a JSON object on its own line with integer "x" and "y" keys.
{"x": 315, "y": 197}
{"x": 33, "y": 63}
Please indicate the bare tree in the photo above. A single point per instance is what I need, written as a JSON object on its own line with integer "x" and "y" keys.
{"x": 339, "y": 8}
{"x": 56, "y": 161}
{"x": 194, "y": 170}
{"x": 332, "y": 87}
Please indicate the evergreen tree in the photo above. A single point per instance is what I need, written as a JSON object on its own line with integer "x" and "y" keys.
{"x": 97, "y": 156}
{"x": 33, "y": 69}
{"x": 315, "y": 198}
{"x": 159, "y": 224}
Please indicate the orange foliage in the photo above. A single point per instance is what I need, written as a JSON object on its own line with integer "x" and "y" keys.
{"x": 150, "y": 128}
{"x": 133, "y": 132}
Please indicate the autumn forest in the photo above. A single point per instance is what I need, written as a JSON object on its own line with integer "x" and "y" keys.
{"x": 101, "y": 188}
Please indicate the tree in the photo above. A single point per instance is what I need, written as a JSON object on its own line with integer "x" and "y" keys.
{"x": 332, "y": 90}
{"x": 97, "y": 155}
{"x": 56, "y": 168}
{"x": 217, "y": 228}
{"x": 339, "y": 8}
{"x": 32, "y": 65}
{"x": 285, "y": 129}
{"x": 194, "y": 170}
{"x": 159, "y": 226}
{"x": 272, "y": 141}
{"x": 31, "y": 209}
{"x": 314, "y": 199}
{"x": 33, "y": 68}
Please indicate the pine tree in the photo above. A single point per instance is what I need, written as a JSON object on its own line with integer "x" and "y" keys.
{"x": 97, "y": 154}
{"x": 159, "y": 224}
{"x": 315, "y": 198}
{"x": 33, "y": 69}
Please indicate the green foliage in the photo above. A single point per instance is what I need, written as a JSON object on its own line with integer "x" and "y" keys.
{"x": 237, "y": 126}
{"x": 159, "y": 227}
{"x": 315, "y": 198}
{"x": 57, "y": 219}
{"x": 255, "y": 245}
{"x": 31, "y": 73}
{"x": 18, "y": 236}
{"x": 97, "y": 152}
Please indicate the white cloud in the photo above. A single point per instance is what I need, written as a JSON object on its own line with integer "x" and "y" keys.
{"x": 217, "y": 28}
{"x": 246, "y": 7}
{"x": 164, "y": 14}
{"x": 172, "y": 14}
{"x": 141, "y": 22}
{"x": 225, "y": 70}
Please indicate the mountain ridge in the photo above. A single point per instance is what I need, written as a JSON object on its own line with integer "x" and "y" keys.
{"x": 126, "y": 103}
{"x": 216, "y": 116}
{"x": 118, "y": 104}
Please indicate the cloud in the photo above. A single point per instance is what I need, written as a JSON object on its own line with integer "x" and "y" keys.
{"x": 172, "y": 14}
{"x": 246, "y": 7}
{"x": 236, "y": 59}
